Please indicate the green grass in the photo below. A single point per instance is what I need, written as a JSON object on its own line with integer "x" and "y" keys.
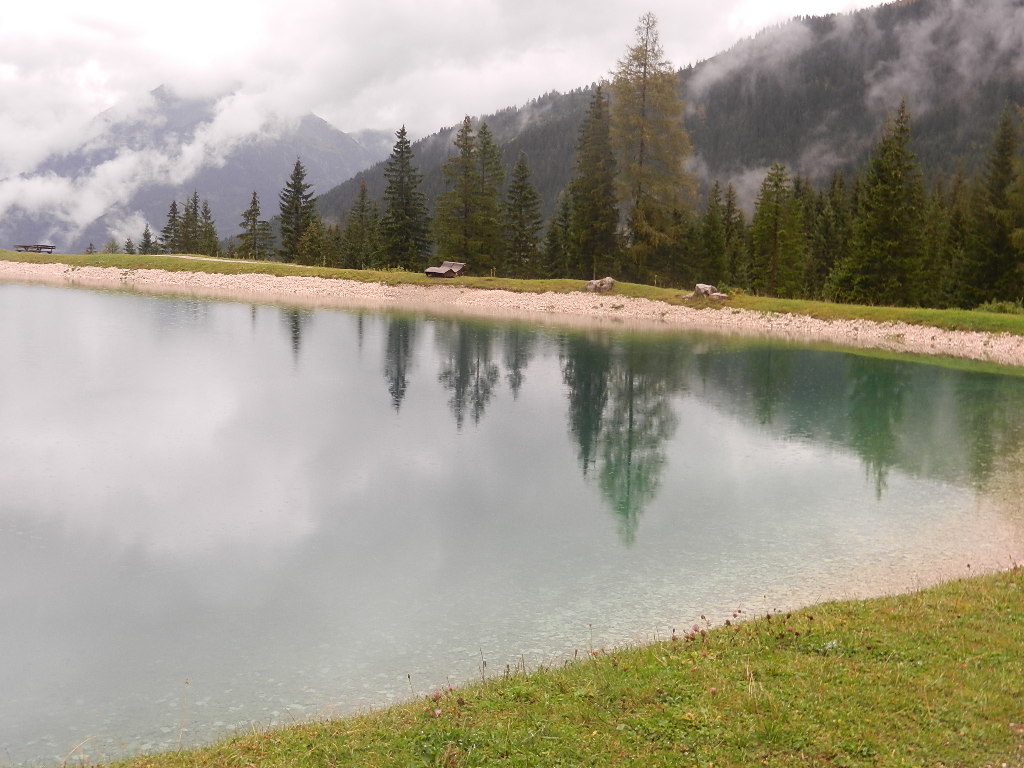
{"x": 948, "y": 319}
{"x": 934, "y": 678}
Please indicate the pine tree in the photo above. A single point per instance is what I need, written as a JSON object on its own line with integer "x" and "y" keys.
{"x": 129, "y": 246}
{"x": 651, "y": 145}
{"x": 298, "y": 211}
{"x": 362, "y": 243}
{"x": 594, "y": 239}
{"x": 406, "y": 223}
{"x": 778, "y": 248}
{"x": 523, "y": 224}
{"x": 883, "y": 264}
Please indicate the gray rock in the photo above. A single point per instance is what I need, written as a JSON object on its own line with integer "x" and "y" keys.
{"x": 603, "y": 285}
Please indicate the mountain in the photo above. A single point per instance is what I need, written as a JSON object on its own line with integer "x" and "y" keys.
{"x": 812, "y": 93}
{"x": 140, "y": 157}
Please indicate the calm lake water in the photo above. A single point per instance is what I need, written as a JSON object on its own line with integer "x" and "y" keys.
{"x": 214, "y": 515}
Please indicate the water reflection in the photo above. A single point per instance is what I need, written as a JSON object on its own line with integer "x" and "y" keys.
{"x": 299, "y": 509}
{"x": 468, "y": 370}
{"x": 398, "y": 356}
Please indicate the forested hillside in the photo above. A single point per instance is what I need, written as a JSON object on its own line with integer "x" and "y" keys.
{"x": 811, "y": 94}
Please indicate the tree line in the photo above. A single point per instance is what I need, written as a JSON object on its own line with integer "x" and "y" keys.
{"x": 876, "y": 235}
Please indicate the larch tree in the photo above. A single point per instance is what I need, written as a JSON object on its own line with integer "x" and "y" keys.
{"x": 405, "y": 225}
{"x": 298, "y": 212}
{"x": 651, "y": 145}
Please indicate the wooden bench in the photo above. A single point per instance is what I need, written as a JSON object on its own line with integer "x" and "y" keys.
{"x": 36, "y": 248}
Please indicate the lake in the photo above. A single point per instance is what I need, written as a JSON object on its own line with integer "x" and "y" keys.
{"x": 215, "y": 515}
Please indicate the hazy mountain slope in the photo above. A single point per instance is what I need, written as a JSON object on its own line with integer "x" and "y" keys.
{"x": 813, "y": 93}
{"x": 544, "y": 129}
{"x": 142, "y": 156}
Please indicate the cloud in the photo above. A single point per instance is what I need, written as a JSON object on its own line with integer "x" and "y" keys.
{"x": 969, "y": 41}
{"x": 382, "y": 65}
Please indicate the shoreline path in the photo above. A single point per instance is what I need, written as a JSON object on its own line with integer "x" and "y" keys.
{"x": 579, "y": 309}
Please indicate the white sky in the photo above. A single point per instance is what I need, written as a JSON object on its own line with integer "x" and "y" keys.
{"x": 374, "y": 64}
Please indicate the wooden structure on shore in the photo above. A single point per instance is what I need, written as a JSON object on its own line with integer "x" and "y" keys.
{"x": 35, "y": 248}
{"x": 447, "y": 269}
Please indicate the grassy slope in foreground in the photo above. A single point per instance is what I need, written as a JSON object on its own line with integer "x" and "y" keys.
{"x": 934, "y": 678}
{"x": 948, "y": 319}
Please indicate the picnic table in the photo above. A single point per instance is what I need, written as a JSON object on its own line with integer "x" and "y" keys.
{"x": 35, "y": 248}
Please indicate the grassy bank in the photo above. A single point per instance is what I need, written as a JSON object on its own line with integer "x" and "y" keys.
{"x": 988, "y": 322}
{"x": 934, "y": 678}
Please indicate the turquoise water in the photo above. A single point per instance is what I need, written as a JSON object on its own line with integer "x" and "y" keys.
{"x": 214, "y": 515}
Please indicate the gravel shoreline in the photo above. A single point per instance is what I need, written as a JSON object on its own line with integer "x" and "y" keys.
{"x": 550, "y": 308}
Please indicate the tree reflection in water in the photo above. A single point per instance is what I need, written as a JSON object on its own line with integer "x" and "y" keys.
{"x": 623, "y": 391}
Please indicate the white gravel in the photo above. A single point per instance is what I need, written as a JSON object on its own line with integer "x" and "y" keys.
{"x": 573, "y": 308}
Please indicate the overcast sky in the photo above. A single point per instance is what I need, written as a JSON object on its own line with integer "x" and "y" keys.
{"x": 375, "y": 64}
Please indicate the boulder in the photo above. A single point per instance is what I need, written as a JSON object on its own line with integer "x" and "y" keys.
{"x": 703, "y": 289}
{"x": 603, "y": 285}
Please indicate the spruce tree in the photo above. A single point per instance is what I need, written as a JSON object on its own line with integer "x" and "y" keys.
{"x": 146, "y": 245}
{"x": 170, "y": 235}
{"x": 710, "y": 267}
{"x": 778, "y": 249}
{"x": 250, "y": 224}
{"x": 190, "y": 239}
{"x": 488, "y": 215}
{"x": 129, "y": 246}
{"x": 993, "y": 271}
{"x": 523, "y": 224}
{"x": 830, "y": 235}
{"x": 314, "y": 246}
{"x": 298, "y": 211}
{"x": 406, "y": 223}
{"x": 884, "y": 260}
{"x": 594, "y": 240}
{"x": 209, "y": 244}
{"x": 737, "y": 266}
{"x": 555, "y": 251}
{"x": 457, "y": 207}
{"x": 362, "y": 246}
